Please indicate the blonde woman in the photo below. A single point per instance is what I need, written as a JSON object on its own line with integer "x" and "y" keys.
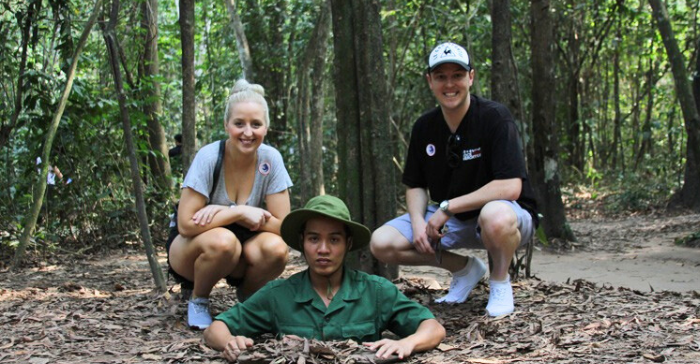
{"x": 232, "y": 230}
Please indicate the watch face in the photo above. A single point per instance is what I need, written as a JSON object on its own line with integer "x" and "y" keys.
{"x": 443, "y": 205}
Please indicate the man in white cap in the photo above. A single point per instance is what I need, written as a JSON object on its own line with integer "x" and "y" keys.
{"x": 327, "y": 301}
{"x": 464, "y": 156}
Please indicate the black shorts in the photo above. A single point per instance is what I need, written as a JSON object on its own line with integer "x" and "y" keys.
{"x": 242, "y": 233}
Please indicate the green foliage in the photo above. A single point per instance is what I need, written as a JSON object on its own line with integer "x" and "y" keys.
{"x": 691, "y": 240}
{"x": 541, "y": 235}
{"x": 637, "y": 194}
{"x": 96, "y": 209}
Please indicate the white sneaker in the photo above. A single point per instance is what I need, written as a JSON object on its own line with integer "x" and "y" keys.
{"x": 198, "y": 315}
{"x": 463, "y": 281}
{"x": 500, "y": 298}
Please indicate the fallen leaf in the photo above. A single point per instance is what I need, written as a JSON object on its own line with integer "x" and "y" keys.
{"x": 38, "y": 360}
{"x": 445, "y": 347}
{"x": 488, "y": 361}
{"x": 655, "y": 358}
{"x": 8, "y": 345}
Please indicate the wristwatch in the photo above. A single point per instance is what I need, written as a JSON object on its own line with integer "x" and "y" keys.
{"x": 445, "y": 207}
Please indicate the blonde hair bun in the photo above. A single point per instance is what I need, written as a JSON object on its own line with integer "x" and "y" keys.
{"x": 242, "y": 85}
{"x": 246, "y": 91}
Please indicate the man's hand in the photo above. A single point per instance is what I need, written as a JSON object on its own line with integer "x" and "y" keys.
{"x": 234, "y": 347}
{"x": 420, "y": 239}
{"x": 386, "y": 348}
{"x": 435, "y": 224}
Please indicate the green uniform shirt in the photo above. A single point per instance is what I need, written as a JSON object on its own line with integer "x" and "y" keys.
{"x": 363, "y": 308}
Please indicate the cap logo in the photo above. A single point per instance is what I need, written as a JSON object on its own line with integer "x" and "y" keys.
{"x": 449, "y": 53}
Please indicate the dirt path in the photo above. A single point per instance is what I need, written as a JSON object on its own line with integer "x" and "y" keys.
{"x": 635, "y": 252}
{"x": 102, "y": 309}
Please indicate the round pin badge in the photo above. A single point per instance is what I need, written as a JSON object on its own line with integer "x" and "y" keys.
{"x": 264, "y": 168}
{"x": 430, "y": 150}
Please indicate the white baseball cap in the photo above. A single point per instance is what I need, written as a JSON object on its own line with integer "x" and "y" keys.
{"x": 449, "y": 53}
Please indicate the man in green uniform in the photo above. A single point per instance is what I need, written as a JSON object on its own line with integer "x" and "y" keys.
{"x": 327, "y": 301}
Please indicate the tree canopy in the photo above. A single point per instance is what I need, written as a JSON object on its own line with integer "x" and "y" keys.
{"x": 617, "y": 118}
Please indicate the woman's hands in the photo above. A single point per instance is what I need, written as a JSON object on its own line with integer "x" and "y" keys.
{"x": 253, "y": 218}
{"x": 204, "y": 215}
{"x": 196, "y": 217}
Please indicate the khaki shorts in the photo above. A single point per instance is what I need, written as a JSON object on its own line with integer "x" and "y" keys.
{"x": 466, "y": 234}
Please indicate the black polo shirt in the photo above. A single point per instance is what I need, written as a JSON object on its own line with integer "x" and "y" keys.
{"x": 489, "y": 149}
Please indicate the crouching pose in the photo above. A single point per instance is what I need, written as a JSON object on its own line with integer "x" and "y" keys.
{"x": 234, "y": 198}
{"x": 327, "y": 301}
{"x": 463, "y": 155}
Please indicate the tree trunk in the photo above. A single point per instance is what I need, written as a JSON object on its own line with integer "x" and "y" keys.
{"x": 110, "y": 39}
{"x": 40, "y": 185}
{"x": 469, "y": 13}
{"x": 618, "y": 156}
{"x": 696, "y": 93}
{"x": 573, "y": 122}
{"x": 545, "y": 169}
{"x": 366, "y": 176}
{"x": 688, "y": 195}
{"x": 646, "y": 145}
{"x": 25, "y": 29}
{"x": 241, "y": 41}
{"x": 317, "y": 98}
{"x": 207, "y": 122}
{"x": 266, "y": 23}
{"x": 65, "y": 10}
{"x": 604, "y": 146}
{"x": 504, "y": 81}
{"x": 575, "y": 139}
{"x": 159, "y": 163}
{"x": 696, "y": 78}
{"x": 692, "y": 183}
{"x": 189, "y": 133}
{"x": 310, "y": 106}
{"x": 636, "y": 93}
{"x": 588, "y": 92}
{"x": 671, "y": 141}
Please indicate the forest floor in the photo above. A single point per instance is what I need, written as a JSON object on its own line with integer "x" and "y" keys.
{"x": 624, "y": 293}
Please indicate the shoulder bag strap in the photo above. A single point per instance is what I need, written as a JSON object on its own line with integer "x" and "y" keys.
{"x": 217, "y": 168}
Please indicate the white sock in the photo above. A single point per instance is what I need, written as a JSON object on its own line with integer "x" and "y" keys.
{"x": 464, "y": 280}
{"x": 500, "y": 298}
{"x": 507, "y": 280}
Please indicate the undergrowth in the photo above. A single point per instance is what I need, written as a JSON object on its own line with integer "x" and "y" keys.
{"x": 618, "y": 195}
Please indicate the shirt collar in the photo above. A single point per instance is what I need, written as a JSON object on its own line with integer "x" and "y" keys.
{"x": 350, "y": 289}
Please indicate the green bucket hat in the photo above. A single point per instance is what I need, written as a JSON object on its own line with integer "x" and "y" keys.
{"x": 327, "y": 206}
